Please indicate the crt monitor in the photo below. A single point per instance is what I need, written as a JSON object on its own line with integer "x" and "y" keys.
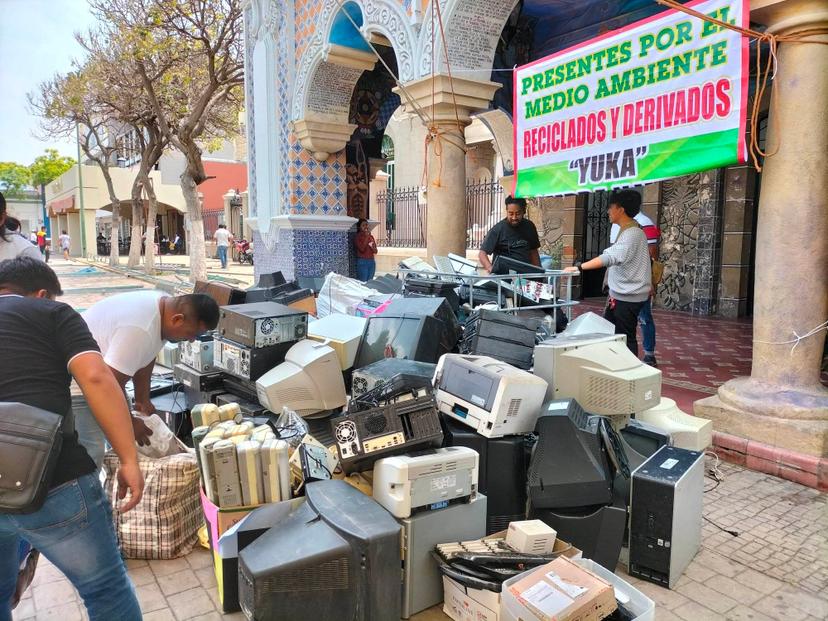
{"x": 598, "y": 371}
{"x": 506, "y": 265}
{"x": 688, "y": 432}
{"x": 308, "y": 381}
{"x": 335, "y": 556}
{"x": 411, "y": 337}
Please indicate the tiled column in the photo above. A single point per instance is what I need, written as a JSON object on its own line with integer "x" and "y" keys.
{"x": 706, "y": 279}
{"x": 782, "y": 403}
{"x": 737, "y": 225}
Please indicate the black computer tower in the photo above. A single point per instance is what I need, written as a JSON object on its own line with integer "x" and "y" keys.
{"x": 501, "y": 471}
{"x": 666, "y": 514}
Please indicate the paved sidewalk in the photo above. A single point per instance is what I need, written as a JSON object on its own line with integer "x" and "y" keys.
{"x": 775, "y": 569}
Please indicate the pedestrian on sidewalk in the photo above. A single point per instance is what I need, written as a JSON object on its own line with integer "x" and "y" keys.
{"x": 645, "y": 317}
{"x": 65, "y": 243}
{"x": 223, "y": 239}
{"x": 366, "y": 247}
{"x": 130, "y": 329}
{"x": 12, "y": 245}
{"x": 45, "y": 344}
{"x": 628, "y": 261}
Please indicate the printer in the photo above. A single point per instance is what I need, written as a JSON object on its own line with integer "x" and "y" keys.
{"x": 494, "y": 398}
{"x": 428, "y": 480}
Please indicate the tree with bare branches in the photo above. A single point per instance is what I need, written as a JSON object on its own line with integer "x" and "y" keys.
{"x": 188, "y": 55}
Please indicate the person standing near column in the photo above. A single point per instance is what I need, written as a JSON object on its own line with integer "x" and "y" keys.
{"x": 223, "y": 239}
{"x": 366, "y": 248}
{"x": 628, "y": 261}
{"x": 645, "y": 317}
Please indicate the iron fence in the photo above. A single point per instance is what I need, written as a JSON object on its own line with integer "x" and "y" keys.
{"x": 402, "y": 219}
{"x": 484, "y": 206}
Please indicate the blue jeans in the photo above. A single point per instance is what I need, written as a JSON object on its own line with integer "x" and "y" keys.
{"x": 90, "y": 434}
{"x": 222, "y": 255}
{"x": 73, "y": 529}
{"x": 365, "y": 269}
{"x": 648, "y": 331}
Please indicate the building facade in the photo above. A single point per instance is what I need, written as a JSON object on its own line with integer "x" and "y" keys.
{"x": 324, "y": 77}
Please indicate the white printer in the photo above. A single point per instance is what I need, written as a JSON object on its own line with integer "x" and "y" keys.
{"x": 429, "y": 480}
{"x": 494, "y": 398}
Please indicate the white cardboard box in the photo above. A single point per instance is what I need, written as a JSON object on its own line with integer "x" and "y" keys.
{"x": 464, "y": 604}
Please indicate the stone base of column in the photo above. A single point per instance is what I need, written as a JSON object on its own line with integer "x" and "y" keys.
{"x": 793, "y": 420}
{"x": 305, "y": 246}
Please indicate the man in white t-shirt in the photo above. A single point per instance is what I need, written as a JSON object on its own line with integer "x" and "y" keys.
{"x": 12, "y": 245}
{"x": 645, "y": 315}
{"x": 131, "y": 328}
{"x": 223, "y": 238}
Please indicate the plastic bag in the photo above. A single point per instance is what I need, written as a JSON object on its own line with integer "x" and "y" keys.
{"x": 162, "y": 441}
{"x": 340, "y": 294}
{"x": 291, "y": 428}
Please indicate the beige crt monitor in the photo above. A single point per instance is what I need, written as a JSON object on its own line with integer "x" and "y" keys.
{"x": 308, "y": 381}
{"x": 599, "y": 372}
{"x": 341, "y": 332}
{"x": 688, "y": 432}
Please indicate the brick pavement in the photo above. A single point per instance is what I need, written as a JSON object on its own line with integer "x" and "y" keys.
{"x": 775, "y": 570}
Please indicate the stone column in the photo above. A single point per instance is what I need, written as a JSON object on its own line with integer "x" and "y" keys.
{"x": 446, "y": 189}
{"x": 783, "y": 403}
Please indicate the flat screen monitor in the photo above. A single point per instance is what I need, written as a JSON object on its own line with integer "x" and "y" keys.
{"x": 335, "y": 556}
{"x": 411, "y": 337}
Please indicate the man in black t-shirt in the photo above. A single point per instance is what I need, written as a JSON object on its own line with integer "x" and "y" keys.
{"x": 45, "y": 343}
{"x": 514, "y": 237}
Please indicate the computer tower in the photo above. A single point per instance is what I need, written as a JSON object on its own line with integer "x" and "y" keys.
{"x": 376, "y": 374}
{"x": 249, "y": 455}
{"x": 248, "y": 363}
{"x": 666, "y": 514}
{"x": 422, "y": 583}
{"x": 262, "y": 324}
{"x": 501, "y": 472}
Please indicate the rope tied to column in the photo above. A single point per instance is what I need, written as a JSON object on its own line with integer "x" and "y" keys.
{"x": 796, "y": 341}
{"x": 769, "y": 72}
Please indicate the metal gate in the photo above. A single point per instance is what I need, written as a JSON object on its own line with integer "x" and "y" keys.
{"x": 596, "y": 239}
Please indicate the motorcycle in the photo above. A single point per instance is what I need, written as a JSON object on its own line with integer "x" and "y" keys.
{"x": 244, "y": 251}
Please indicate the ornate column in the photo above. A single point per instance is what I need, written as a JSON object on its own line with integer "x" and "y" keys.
{"x": 783, "y": 403}
{"x": 446, "y": 188}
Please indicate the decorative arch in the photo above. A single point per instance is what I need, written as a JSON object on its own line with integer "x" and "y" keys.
{"x": 472, "y": 31}
{"x": 328, "y": 72}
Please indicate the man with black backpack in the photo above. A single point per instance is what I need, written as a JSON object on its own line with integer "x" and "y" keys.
{"x": 45, "y": 344}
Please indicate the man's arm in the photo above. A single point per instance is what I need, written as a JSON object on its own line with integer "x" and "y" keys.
{"x": 483, "y": 258}
{"x": 108, "y": 405}
{"x": 141, "y": 385}
{"x": 139, "y": 428}
{"x": 534, "y": 257}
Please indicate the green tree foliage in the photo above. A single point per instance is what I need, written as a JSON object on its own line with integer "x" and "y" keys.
{"x": 49, "y": 167}
{"x": 14, "y": 178}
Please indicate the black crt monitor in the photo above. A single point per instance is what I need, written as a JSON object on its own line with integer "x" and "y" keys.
{"x": 411, "y": 337}
{"x": 437, "y": 307}
{"x": 569, "y": 466}
{"x": 336, "y": 556}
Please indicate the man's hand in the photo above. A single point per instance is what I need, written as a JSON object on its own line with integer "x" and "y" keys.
{"x": 141, "y": 431}
{"x": 145, "y": 407}
{"x": 129, "y": 478}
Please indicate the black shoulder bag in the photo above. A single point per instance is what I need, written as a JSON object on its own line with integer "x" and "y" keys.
{"x": 30, "y": 443}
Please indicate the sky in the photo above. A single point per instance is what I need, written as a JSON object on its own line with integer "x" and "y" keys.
{"x": 36, "y": 41}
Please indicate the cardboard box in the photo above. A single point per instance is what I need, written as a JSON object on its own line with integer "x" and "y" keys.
{"x": 218, "y": 522}
{"x": 465, "y": 604}
{"x": 559, "y": 591}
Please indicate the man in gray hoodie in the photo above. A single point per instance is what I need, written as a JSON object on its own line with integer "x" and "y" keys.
{"x": 628, "y": 266}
